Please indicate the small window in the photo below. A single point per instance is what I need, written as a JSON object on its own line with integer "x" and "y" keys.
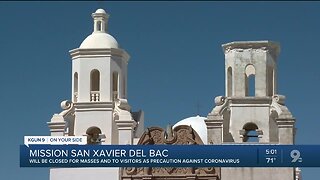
{"x": 99, "y": 26}
{"x": 250, "y": 133}
{"x": 250, "y": 80}
{"x": 115, "y": 85}
{"x": 251, "y": 85}
{"x": 75, "y": 86}
{"x": 75, "y": 81}
{"x": 95, "y": 80}
{"x": 229, "y": 84}
{"x": 270, "y": 84}
{"x": 124, "y": 88}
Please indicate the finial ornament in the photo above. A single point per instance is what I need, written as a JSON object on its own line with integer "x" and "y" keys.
{"x": 100, "y": 19}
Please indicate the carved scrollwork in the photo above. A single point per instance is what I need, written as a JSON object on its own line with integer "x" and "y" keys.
{"x": 122, "y": 104}
{"x": 205, "y": 170}
{"x": 279, "y": 99}
{"x": 219, "y": 100}
{"x": 278, "y": 108}
{"x": 66, "y": 104}
{"x": 170, "y": 169}
{"x": 186, "y": 135}
{"x": 67, "y": 107}
{"x": 157, "y": 136}
{"x": 221, "y": 105}
{"x": 179, "y": 135}
{"x": 130, "y": 170}
{"x": 122, "y": 115}
{"x": 133, "y": 170}
{"x": 181, "y": 171}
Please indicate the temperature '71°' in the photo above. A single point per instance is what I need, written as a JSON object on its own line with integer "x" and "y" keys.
{"x": 271, "y": 160}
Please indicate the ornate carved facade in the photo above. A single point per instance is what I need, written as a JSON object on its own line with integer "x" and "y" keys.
{"x": 179, "y": 135}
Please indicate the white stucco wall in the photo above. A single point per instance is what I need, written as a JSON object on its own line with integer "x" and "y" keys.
{"x": 257, "y": 173}
{"x": 84, "y": 173}
{"x": 100, "y": 119}
{"x": 242, "y": 114}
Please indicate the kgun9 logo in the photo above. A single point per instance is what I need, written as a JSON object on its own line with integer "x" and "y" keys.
{"x": 295, "y": 154}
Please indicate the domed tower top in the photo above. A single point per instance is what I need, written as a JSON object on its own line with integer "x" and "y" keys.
{"x": 99, "y": 37}
{"x": 102, "y": 78}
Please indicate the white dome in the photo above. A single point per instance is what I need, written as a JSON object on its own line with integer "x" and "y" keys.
{"x": 102, "y": 11}
{"x": 99, "y": 40}
{"x": 198, "y": 124}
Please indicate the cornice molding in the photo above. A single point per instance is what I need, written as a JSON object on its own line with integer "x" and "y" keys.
{"x": 93, "y": 106}
{"x": 285, "y": 123}
{"x": 267, "y": 46}
{"x": 93, "y": 53}
{"x": 250, "y": 101}
{"x": 57, "y": 126}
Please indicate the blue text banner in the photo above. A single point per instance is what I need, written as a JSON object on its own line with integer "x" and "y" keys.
{"x": 170, "y": 156}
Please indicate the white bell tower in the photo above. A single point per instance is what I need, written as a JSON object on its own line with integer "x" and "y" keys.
{"x": 99, "y": 108}
{"x": 250, "y": 86}
{"x": 251, "y": 111}
{"x": 99, "y": 69}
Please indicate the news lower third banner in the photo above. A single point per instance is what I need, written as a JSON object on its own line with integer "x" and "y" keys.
{"x": 169, "y": 155}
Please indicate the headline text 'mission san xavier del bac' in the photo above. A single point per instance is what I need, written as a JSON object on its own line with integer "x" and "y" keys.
{"x": 98, "y": 153}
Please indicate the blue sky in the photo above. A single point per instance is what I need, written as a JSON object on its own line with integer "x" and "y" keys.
{"x": 176, "y": 61}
